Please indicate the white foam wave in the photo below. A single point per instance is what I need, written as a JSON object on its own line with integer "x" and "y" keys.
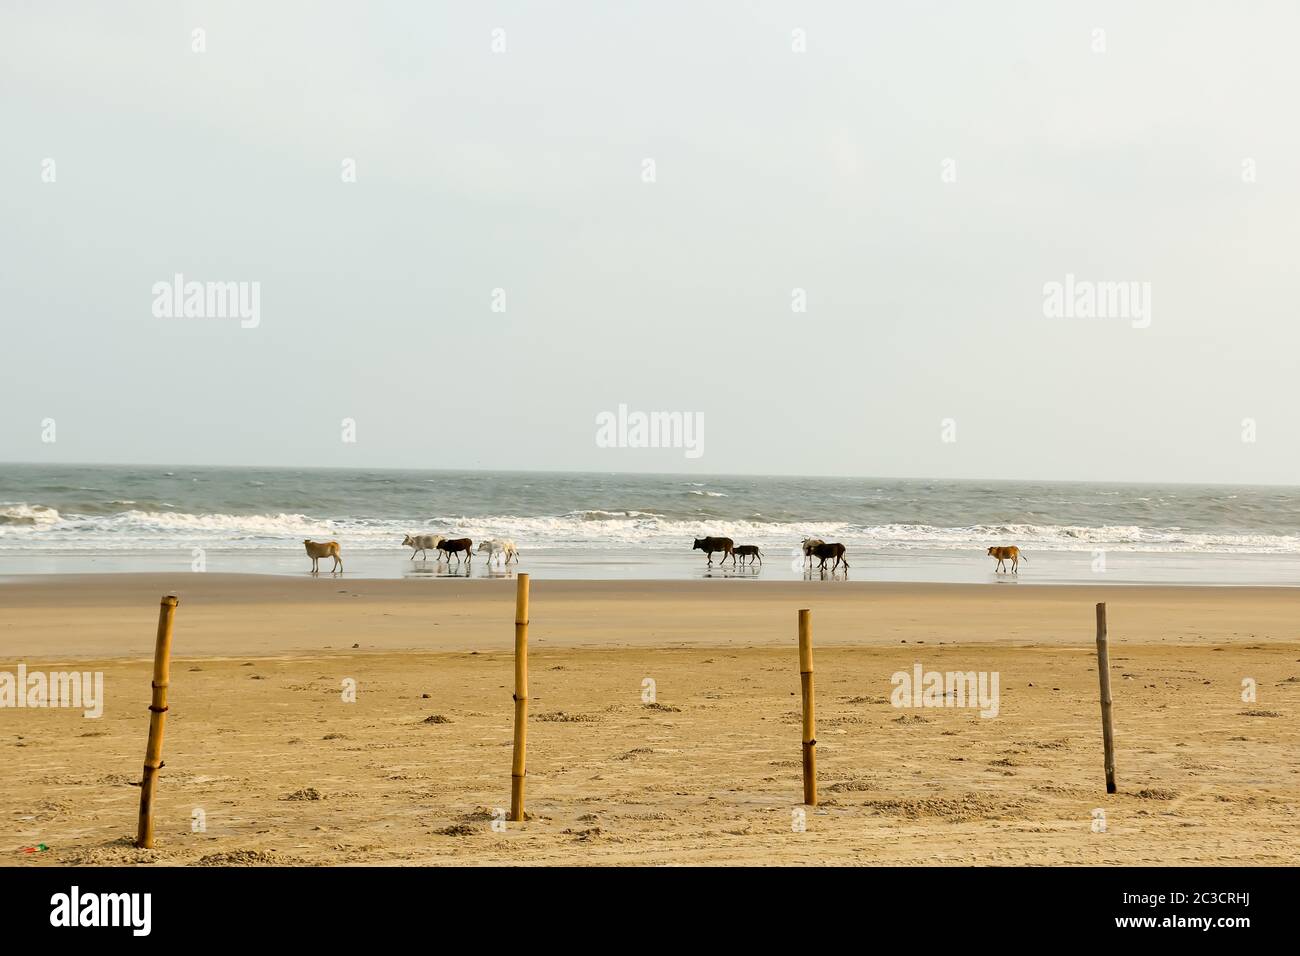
{"x": 21, "y": 514}
{"x": 25, "y": 527}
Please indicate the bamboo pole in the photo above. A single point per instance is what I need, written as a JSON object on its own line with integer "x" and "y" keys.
{"x": 1107, "y": 718}
{"x": 162, "y": 655}
{"x": 809, "y": 717}
{"x": 518, "y": 768}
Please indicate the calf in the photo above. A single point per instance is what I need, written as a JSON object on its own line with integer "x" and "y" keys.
{"x": 496, "y": 546}
{"x": 450, "y": 546}
{"x": 824, "y": 551}
{"x": 746, "y": 551}
{"x": 1003, "y": 555}
{"x": 421, "y": 542}
{"x": 323, "y": 549}
{"x": 709, "y": 545}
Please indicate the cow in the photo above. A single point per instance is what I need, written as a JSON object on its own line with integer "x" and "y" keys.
{"x": 323, "y": 549}
{"x": 421, "y": 542}
{"x": 709, "y": 545}
{"x": 808, "y": 545}
{"x": 505, "y": 546}
{"x": 746, "y": 551}
{"x": 450, "y": 546}
{"x": 1004, "y": 554}
{"x": 824, "y": 551}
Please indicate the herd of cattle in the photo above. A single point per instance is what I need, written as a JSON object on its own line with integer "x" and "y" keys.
{"x": 421, "y": 544}
{"x": 446, "y": 547}
{"x": 812, "y": 548}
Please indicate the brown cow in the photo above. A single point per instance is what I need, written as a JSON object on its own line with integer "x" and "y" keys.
{"x": 746, "y": 551}
{"x": 455, "y": 546}
{"x": 824, "y": 551}
{"x": 709, "y": 545}
{"x": 323, "y": 549}
{"x": 1004, "y": 554}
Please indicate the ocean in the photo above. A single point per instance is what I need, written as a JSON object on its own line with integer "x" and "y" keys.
{"x": 78, "y": 518}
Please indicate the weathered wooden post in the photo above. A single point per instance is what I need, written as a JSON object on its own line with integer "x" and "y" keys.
{"x": 809, "y": 718}
{"x": 1103, "y": 674}
{"x": 162, "y": 655}
{"x": 518, "y": 768}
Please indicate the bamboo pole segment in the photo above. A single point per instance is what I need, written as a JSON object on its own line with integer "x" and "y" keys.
{"x": 1107, "y": 718}
{"x": 518, "y": 768}
{"x": 809, "y": 717}
{"x": 162, "y": 658}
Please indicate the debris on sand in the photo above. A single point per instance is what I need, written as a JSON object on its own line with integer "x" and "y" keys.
{"x": 244, "y": 858}
{"x": 1155, "y": 793}
{"x": 306, "y": 793}
{"x": 457, "y": 830}
{"x": 560, "y": 717}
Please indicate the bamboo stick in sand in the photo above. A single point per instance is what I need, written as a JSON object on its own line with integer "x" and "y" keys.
{"x": 157, "y": 719}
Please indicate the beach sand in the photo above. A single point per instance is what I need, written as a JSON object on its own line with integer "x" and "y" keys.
{"x": 261, "y": 746}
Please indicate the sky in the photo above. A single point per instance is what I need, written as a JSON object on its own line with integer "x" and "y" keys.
{"x": 826, "y": 232}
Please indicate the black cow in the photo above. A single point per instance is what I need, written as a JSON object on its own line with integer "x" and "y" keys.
{"x": 709, "y": 545}
{"x": 455, "y": 546}
{"x": 824, "y": 551}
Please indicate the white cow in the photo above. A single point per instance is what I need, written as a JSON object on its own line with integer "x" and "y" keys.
{"x": 497, "y": 546}
{"x": 421, "y": 542}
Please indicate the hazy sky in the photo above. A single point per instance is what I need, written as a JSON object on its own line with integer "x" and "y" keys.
{"x": 1162, "y": 151}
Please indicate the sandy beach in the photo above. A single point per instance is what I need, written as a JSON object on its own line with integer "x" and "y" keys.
{"x": 263, "y": 750}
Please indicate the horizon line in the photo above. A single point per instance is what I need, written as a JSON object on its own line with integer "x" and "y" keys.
{"x": 651, "y": 474}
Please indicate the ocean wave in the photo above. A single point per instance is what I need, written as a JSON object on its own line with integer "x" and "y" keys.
{"x": 34, "y": 527}
{"x": 22, "y": 514}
